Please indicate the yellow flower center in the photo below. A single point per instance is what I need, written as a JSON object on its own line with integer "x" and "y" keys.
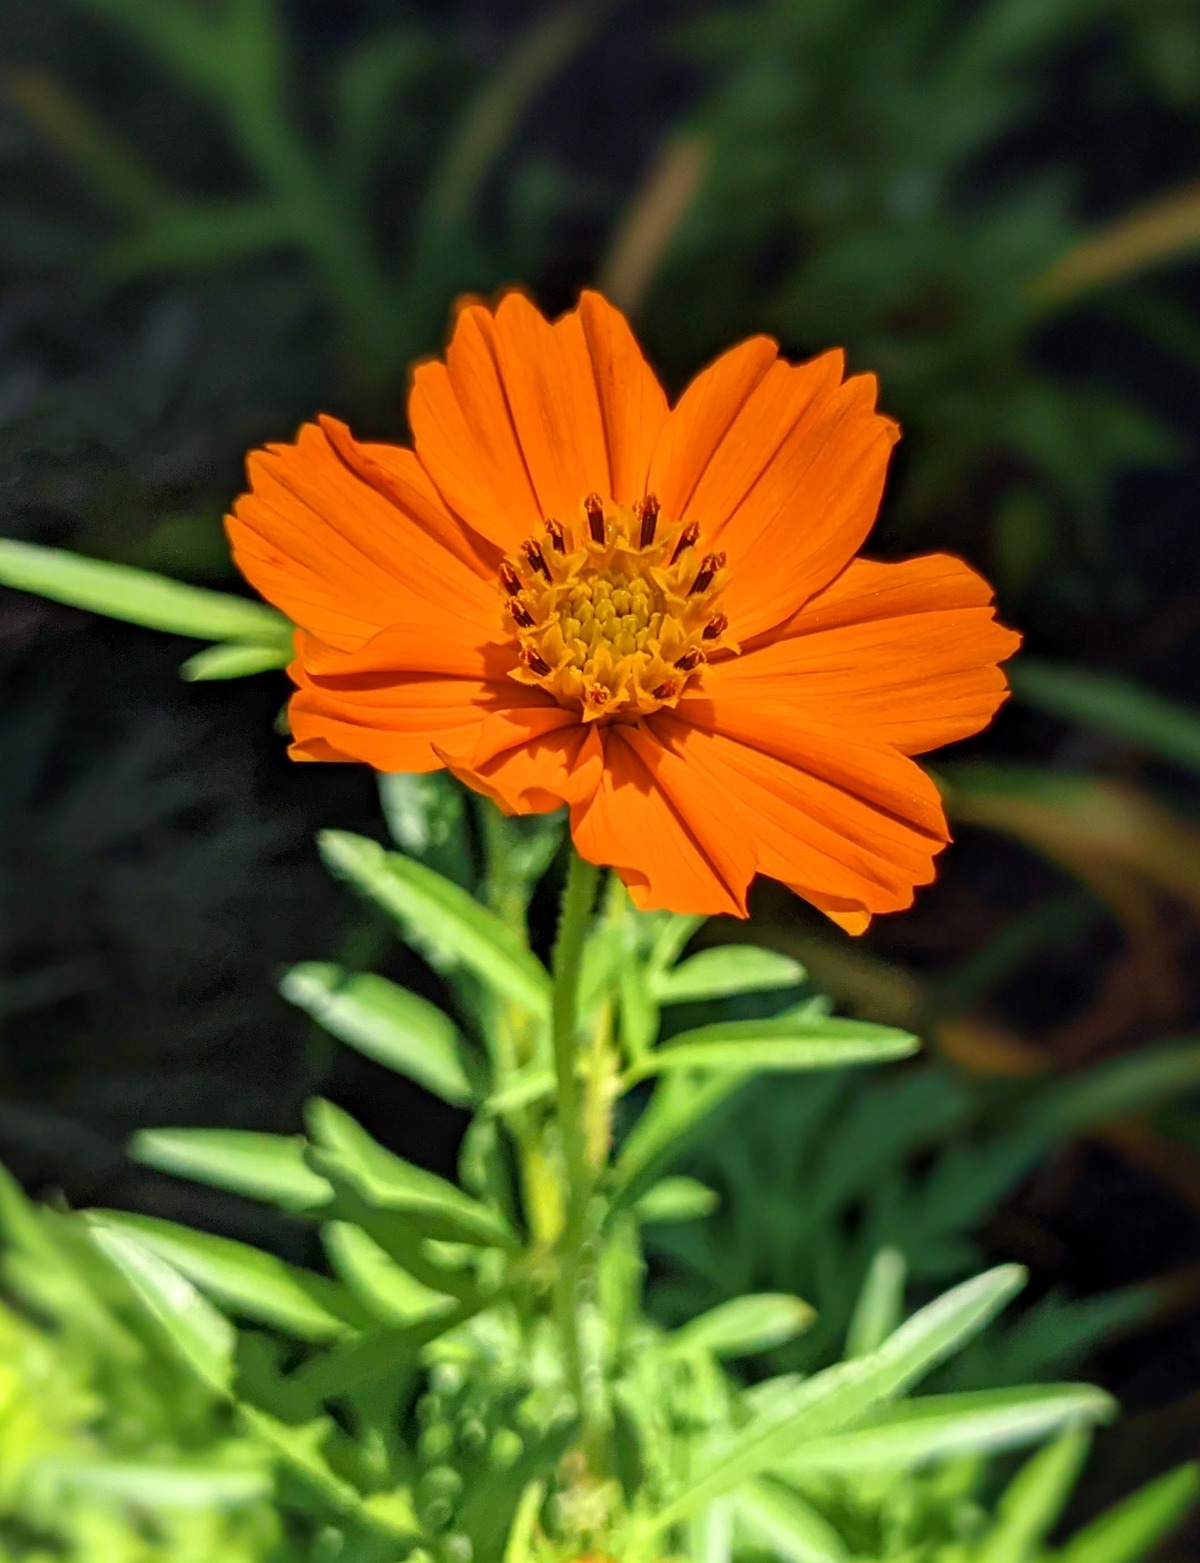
{"x": 614, "y": 615}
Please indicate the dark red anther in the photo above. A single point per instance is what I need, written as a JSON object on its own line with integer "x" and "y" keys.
{"x": 521, "y": 613}
{"x": 533, "y": 662}
{"x": 509, "y": 579}
{"x": 650, "y": 509}
{"x": 688, "y": 538}
{"x": 597, "y": 695}
{"x": 594, "y": 510}
{"x": 532, "y": 550}
{"x": 716, "y": 626}
{"x": 667, "y": 691}
{"x": 558, "y": 538}
{"x": 709, "y": 566}
{"x": 690, "y": 659}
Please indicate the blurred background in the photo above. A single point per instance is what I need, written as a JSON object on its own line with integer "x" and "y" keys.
{"x": 218, "y": 217}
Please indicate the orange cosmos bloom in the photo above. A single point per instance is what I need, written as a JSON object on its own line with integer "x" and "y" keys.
{"x": 570, "y": 592}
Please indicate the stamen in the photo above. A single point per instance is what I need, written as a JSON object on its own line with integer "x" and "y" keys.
{"x": 650, "y": 509}
{"x": 688, "y": 538}
{"x": 709, "y": 566}
{"x": 521, "y": 613}
{"x": 595, "y": 515}
{"x": 717, "y": 625}
{"x": 690, "y": 659}
{"x": 667, "y": 690}
{"x": 509, "y": 579}
{"x": 597, "y": 695}
{"x": 537, "y": 559}
{"x": 533, "y": 662}
{"x": 558, "y": 538}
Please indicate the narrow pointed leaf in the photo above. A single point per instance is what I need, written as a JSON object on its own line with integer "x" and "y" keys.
{"x": 436, "y": 1206}
{"x": 944, "y": 1426}
{"x": 745, "y": 1325}
{"x": 720, "y": 973}
{"x": 196, "y": 1331}
{"x": 440, "y": 918}
{"x": 677, "y": 1199}
{"x": 387, "y": 1023}
{"x": 269, "y": 1167}
{"x": 139, "y": 596}
{"x": 392, "y": 1295}
{"x": 1127, "y": 1532}
{"x": 1034, "y": 1499}
{"x": 234, "y": 659}
{"x": 879, "y": 1306}
{"x": 246, "y": 1280}
{"x": 839, "y": 1396}
{"x": 797, "y": 1042}
{"x": 788, "y": 1524}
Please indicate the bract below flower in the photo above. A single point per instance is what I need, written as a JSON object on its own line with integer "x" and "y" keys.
{"x": 570, "y": 592}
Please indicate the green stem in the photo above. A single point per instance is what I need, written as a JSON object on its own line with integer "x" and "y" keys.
{"x": 573, "y": 922}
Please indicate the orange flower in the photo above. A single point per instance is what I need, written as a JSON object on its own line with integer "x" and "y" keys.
{"x": 569, "y": 592}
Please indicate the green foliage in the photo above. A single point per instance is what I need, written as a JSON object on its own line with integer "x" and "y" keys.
{"x": 432, "y": 1392}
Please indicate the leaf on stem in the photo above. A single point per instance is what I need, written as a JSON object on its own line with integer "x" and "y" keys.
{"x": 389, "y": 1024}
{"x": 788, "y": 1043}
{"x": 269, "y": 1167}
{"x": 440, "y": 919}
{"x": 724, "y": 971}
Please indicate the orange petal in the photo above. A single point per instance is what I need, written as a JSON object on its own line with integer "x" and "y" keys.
{"x": 391, "y": 701}
{"x": 782, "y": 467}
{"x": 670, "y": 848}
{"x": 337, "y": 555}
{"x": 632, "y": 404}
{"x": 525, "y": 418}
{"x": 852, "y": 828}
{"x": 904, "y": 654}
{"x": 531, "y": 760}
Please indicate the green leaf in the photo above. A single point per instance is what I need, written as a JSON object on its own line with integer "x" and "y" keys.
{"x": 839, "y": 1396}
{"x": 944, "y": 1426}
{"x": 432, "y": 1205}
{"x": 246, "y": 1280}
{"x": 139, "y": 596}
{"x": 681, "y": 1106}
{"x": 787, "y": 1524}
{"x": 181, "y": 1486}
{"x": 427, "y": 817}
{"x": 730, "y": 969}
{"x": 1112, "y": 704}
{"x": 387, "y": 1023}
{"x": 1127, "y": 1532}
{"x": 788, "y": 1043}
{"x": 196, "y": 1331}
{"x": 234, "y": 659}
{"x": 1034, "y": 1499}
{"x": 1118, "y": 1088}
{"x": 880, "y": 1303}
{"x": 440, "y": 918}
{"x": 270, "y": 1167}
{"x": 743, "y": 1326}
{"x": 677, "y": 1199}
{"x": 392, "y": 1295}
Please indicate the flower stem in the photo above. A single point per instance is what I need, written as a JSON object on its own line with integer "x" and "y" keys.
{"x": 578, "y": 897}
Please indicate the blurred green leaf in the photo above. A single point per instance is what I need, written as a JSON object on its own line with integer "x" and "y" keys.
{"x": 724, "y": 971}
{"x": 676, "y": 1199}
{"x": 234, "y": 660}
{"x": 745, "y": 1325}
{"x": 269, "y": 1167}
{"x": 158, "y": 1485}
{"x": 440, "y": 918}
{"x": 1034, "y": 1499}
{"x": 203, "y": 1339}
{"x": 389, "y": 1024}
{"x": 1114, "y": 705}
{"x": 246, "y": 1280}
{"x": 122, "y": 592}
{"x": 788, "y": 1524}
{"x": 1130, "y": 1529}
{"x": 799, "y": 1042}
{"x": 880, "y": 1303}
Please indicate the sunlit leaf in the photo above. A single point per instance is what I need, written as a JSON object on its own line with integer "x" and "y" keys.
{"x": 139, "y": 596}
{"x": 729, "y": 969}
{"x": 440, "y": 918}
{"x": 234, "y": 660}
{"x": 387, "y": 1023}
{"x": 787, "y": 1523}
{"x": 1130, "y": 1529}
{"x": 270, "y": 1167}
{"x": 1034, "y": 1499}
{"x": 794, "y": 1043}
{"x": 745, "y": 1325}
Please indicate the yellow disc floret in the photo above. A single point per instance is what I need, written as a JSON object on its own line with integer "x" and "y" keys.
{"x": 614, "y": 614}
